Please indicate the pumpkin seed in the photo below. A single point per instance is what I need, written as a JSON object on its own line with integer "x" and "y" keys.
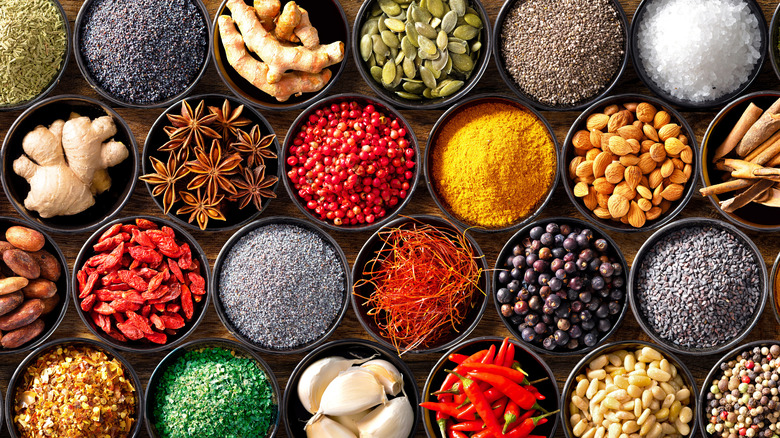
{"x": 389, "y": 7}
{"x": 462, "y": 63}
{"x": 428, "y": 78}
{"x": 381, "y": 24}
{"x": 399, "y": 74}
{"x": 449, "y": 21}
{"x": 427, "y": 45}
{"x": 458, "y": 46}
{"x": 408, "y": 96}
{"x": 396, "y": 25}
{"x": 388, "y": 74}
{"x": 393, "y": 52}
{"x": 473, "y": 20}
{"x": 410, "y": 71}
{"x": 376, "y": 73}
{"x": 465, "y": 32}
{"x": 470, "y": 10}
{"x": 408, "y": 48}
{"x": 371, "y": 61}
{"x": 426, "y": 30}
{"x": 423, "y": 55}
{"x": 436, "y": 8}
{"x": 403, "y": 2}
{"x": 420, "y": 15}
{"x": 390, "y": 39}
{"x": 370, "y": 27}
{"x": 365, "y": 46}
{"x": 380, "y": 48}
{"x": 415, "y": 87}
{"x": 376, "y": 11}
{"x": 400, "y": 17}
{"x": 427, "y": 93}
{"x": 459, "y": 6}
{"x": 399, "y": 57}
{"x": 442, "y": 40}
{"x": 448, "y": 67}
{"x": 450, "y": 87}
{"x": 440, "y": 62}
{"x": 476, "y": 46}
{"x": 380, "y": 61}
{"x": 429, "y": 65}
{"x": 435, "y": 22}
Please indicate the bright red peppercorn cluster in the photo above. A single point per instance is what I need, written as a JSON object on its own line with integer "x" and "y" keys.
{"x": 351, "y": 164}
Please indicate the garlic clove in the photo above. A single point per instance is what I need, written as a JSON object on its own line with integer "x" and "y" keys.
{"x": 352, "y": 391}
{"x": 317, "y": 377}
{"x": 387, "y": 374}
{"x": 320, "y": 426}
{"x": 393, "y": 419}
{"x": 351, "y": 421}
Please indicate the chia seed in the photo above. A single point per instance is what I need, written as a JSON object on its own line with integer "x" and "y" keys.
{"x": 144, "y": 51}
{"x": 282, "y": 286}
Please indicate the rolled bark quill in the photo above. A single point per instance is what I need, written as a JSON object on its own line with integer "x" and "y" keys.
{"x": 746, "y": 196}
{"x": 749, "y": 117}
{"x": 728, "y": 186}
{"x": 763, "y": 147}
{"x": 773, "y": 198}
{"x": 762, "y": 129}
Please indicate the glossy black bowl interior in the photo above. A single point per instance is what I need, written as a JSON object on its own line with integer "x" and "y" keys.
{"x": 143, "y": 345}
{"x": 123, "y": 176}
{"x": 368, "y": 252}
{"x": 327, "y": 16}
{"x": 774, "y": 283}
{"x": 296, "y": 416}
{"x": 200, "y": 344}
{"x": 157, "y": 137}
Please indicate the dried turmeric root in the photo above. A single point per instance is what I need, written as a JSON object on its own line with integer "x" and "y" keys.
{"x": 287, "y": 22}
{"x": 267, "y": 10}
{"x": 305, "y": 32}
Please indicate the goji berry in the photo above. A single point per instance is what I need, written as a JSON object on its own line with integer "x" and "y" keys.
{"x": 197, "y": 283}
{"x": 112, "y": 231}
{"x": 157, "y": 338}
{"x": 111, "y": 242}
{"x": 130, "y": 330}
{"x": 118, "y": 287}
{"x": 117, "y": 336}
{"x": 101, "y": 321}
{"x": 145, "y": 224}
{"x": 173, "y": 293}
{"x": 145, "y": 255}
{"x": 173, "y": 308}
{"x": 172, "y": 320}
{"x": 146, "y": 310}
{"x": 174, "y": 267}
{"x": 123, "y": 305}
{"x": 157, "y": 322}
{"x": 104, "y": 309}
{"x": 88, "y": 302}
{"x": 139, "y": 321}
{"x": 108, "y": 295}
{"x": 133, "y": 280}
{"x": 169, "y": 231}
{"x": 165, "y": 243}
{"x": 133, "y": 297}
{"x": 157, "y": 293}
{"x": 185, "y": 261}
{"x": 89, "y": 285}
{"x": 119, "y": 317}
{"x": 113, "y": 259}
{"x": 142, "y": 239}
{"x": 96, "y": 260}
{"x": 160, "y": 307}
{"x": 186, "y": 302}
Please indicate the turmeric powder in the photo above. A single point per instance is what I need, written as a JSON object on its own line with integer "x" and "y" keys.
{"x": 493, "y": 164}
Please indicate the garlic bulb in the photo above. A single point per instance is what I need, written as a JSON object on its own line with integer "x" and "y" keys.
{"x": 387, "y": 374}
{"x": 316, "y": 378}
{"x": 320, "y": 426}
{"x": 393, "y": 419}
{"x": 351, "y": 421}
{"x": 352, "y": 391}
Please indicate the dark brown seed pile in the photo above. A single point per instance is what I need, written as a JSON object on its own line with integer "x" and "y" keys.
{"x": 562, "y": 52}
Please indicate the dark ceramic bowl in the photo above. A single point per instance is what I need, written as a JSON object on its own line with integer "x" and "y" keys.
{"x": 534, "y": 365}
{"x": 143, "y": 345}
{"x": 327, "y": 16}
{"x": 480, "y": 65}
{"x": 443, "y": 121}
{"x": 123, "y": 176}
{"x": 225, "y": 251}
{"x": 157, "y": 137}
{"x": 569, "y": 153}
{"x": 55, "y": 317}
{"x": 755, "y": 217}
{"x": 774, "y": 284}
{"x": 530, "y": 100}
{"x": 580, "y": 368}
{"x": 641, "y": 71}
{"x": 200, "y": 344}
{"x": 651, "y": 242}
{"x": 301, "y": 121}
{"x": 368, "y": 252}
{"x": 16, "y": 379}
{"x": 296, "y": 416}
{"x": 501, "y": 265}
{"x": 82, "y": 62}
{"x": 60, "y": 73}
{"x": 774, "y": 39}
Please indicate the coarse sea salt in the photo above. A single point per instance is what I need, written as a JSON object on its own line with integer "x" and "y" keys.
{"x": 696, "y": 50}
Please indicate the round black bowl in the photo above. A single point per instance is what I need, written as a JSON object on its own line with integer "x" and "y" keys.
{"x": 774, "y": 283}
{"x": 296, "y": 416}
{"x": 568, "y": 154}
{"x": 641, "y": 71}
{"x": 223, "y": 253}
{"x": 521, "y": 235}
{"x": 143, "y": 345}
{"x": 530, "y": 100}
{"x": 129, "y": 371}
{"x": 650, "y": 244}
{"x": 199, "y": 344}
{"x": 157, "y": 137}
{"x": 123, "y": 176}
{"x": 327, "y": 16}
{"x": 480, "y": 64}
{"x": 368, "y": 252}
{"x": 301, "y": 121}
{"x": 434, "y": 135}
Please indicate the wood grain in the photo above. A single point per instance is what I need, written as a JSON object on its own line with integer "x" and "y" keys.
{"x": 140, "y": 120}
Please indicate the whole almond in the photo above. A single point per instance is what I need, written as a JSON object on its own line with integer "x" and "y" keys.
{"x": 661, "y": 118}
{"x": 683, "y": 139}
{"x": 687, "y": 155}
{"x": 673, "y": 146}
{"x": 581, "y": 189}
{"x": 678, "y": 177}
{"x": 573, "y": 166}
{"x": 653, "y": 214}
{"x": 665, "y": 205}
{"x": 601, "y": 162}
{"x": 630, "y": 131}
{"x": 586, "y": 180}
{"x": 597, "y": 121}
{"x": 592, "y": 154}
{"x": 581, "y": 140}
{"x": 605, "y": 140}
{"x": 629, "y": 160}
{"x": 595, "y": 138}
{"x": 636, "y": 217}
{"x": 618, "y": 206}
{"x": 646, "y": 145}
{"x": 673, "y": 192}
{"x": 687, "y": 170}
{"x": 618, "y": 120}
{"x": 632, "y": 176}
{"x": 644, "y": 192}
{"x": 666, "y": 168}
{"x": 678, "y": 163}
{"x": 611, "y": 109}
{"x": 624, "y": 220}
{"x": 657, "y": 198}
{"x": 585, "y": 169}
{"x": 601, "y": 185}
{"x": 646, "y": 163}
{"x": 590, "y": 200}
{"x": 645, "y": 112}
{"x": 644, "y": 204}
{"x": 638, "y": 124}
{"x": 602, "y": 200}
{"x": 650, "y": 132}
{"x": 619, "y": 146}
{"x": 625, "y": 190}
{"x": 655, "y": 179}
{"x": 631, "y": 106}
{"x": 668, "y": 131}
{"x": 603, "y": 213}
{"x": 658, "y": 153}
{"x": 614, "y": 172}
{"x": 635, "y": 146}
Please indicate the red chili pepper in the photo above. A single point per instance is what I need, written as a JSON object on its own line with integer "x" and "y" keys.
{"x": 452, "y": 433}
{"x": 469, "y": 426}
{"x": 451, "y": 379}
{"x": 459, "y": 358}
{"x": 511, "y": 413}
{"x": 509, "y": 358}
{"x": 491, "y": 395}
{"x": 441, "y": 420}
{"x": 499, "y": 407}
{"x": 509, "y": 373}
{"x": 527, "y": 426}
{"x": 477, "y": 397}
{"x": 447, "y": 408}
{"x": 501, "y": 352}
{"x": 486, "y": 433}
{"x": 490, "y": 356}
{"x": 525, "y": 399}
{"x": 535, "y": 392}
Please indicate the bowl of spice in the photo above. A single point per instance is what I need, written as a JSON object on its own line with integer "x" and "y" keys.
{"x": 628, "y": 162}
{"x": 34, "y": 49}
{"x": 419, "y": 259}
{"x": 541, "y": 47}
{"x": 69, "y": 164}
{"x": 212, "y": 388}
{"x": 516, "y": 384}
{"x": 140, "y": 284}
{"x": 560, "y": 286}
{"x": 280, "y": 55}
{"x": 678, "y": 48}
{"x": 47, "y": 393}
{"x": 649, "y": 391}
{"x": 142, "y": 53}
{"x": 349, "y": 388}
{"x": 351, "y": 162}
{"x": 491, "y": 163}
{"x": 280, "y": 285}
{"x": 210, "y": 163}
{"x": 422, "y": 55}
{"x": 698, "y": 286}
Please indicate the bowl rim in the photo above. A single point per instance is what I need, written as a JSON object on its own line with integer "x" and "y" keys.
{"x": 505, "y": 8}
{"x": 192, "y": 345}
{"x": 200, "y": 6}
{"x": 389, "y": 355}
{"x": 690, "y": 222}
{"x": 437, "y": 221}
{"x": 774, "y": 52}
{"x": 636, "y": 60}
{"x": 690, "y": 186}
{"x": 429, "y": 104}
{"x": 512, "y": 241}
{"x": 430, "y": 146}
{"x": 293, "y": 131}
{"x": 773, "y": 284}
{"x": 613, "y": 346}
{"x": 314, "y": 99}
{"x": 87, "y": 251}
{"x": 225, "y": 251}
{"x": 147, "y": 152}
{"x": 702, "y": 152}
{"x": 95, "y": 344}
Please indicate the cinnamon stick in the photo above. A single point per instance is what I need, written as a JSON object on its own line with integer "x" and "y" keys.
{"x": 728, "y": 186}
{"x": 748, "y": 118}
{"x": 762, "y": 129}
{"x": 766, "y": 155}
{"x": 763, "y": 146}
{"x": 773, "y": 198}
{"x": 746, "y": 196}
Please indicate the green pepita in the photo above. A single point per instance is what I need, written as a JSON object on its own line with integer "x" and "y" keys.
{"x": 410, "y": 71}
{"x": 389, "y": 38}
{"x": 427, "y": 45}
{"x": 408, "y": 48}
{"x": 366, "y": 47}
{"x": 448, "y": 67}
{"x": 381, "y": 24}
{"x": 408, "y": 96}
{"x": 420, "y": 15}
{"x": 380, "y": 48}
{"x": 399, "y": 74}
{"x": 428, "y": 78}
{"x": 411, "y": 33}
{"x": 370, "y": 27}
{"x": 450, "y": 87}
{"x": 462, "y": 63}
{"x": 476, "y": 46}
{"x": 458, "y": 47}
{"x": 376, "y": 11}
{"x": 436, "y": 8}
{"x": 439, "y": 63}
{"x": 389, "y": 7}
{"x": 473, "y": 20}
{"x": 459, "y": 6}
{"x": 449, "y": 21}
{"x": 426, "y": 30}
{"x": 388, "y": 74}
{"x": 442, "y": 40}
{"x": 414, "y": 87}
{"x": 376, "y": 73}
{"x": 423, "y": 55}
{"x": 435, "y": 22}
{"x": 396, "y": 25}
{"x": 427, "y": 93}
{"x": 465, "y": 32}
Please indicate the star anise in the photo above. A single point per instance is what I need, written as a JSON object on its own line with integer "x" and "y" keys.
{"x": 191, "y": 125}
{"x": 200, "y": 208}
{"x": 253, "y": 187}
{"x": 164, "y": 179}
{"x": 213, "y": 170}
{"x": 256, "y": 146}
{"x": 228, "y": 120}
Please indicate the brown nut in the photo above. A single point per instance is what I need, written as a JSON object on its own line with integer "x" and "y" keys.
{"x": 630, "y": 131}
{"x": 601, "y": 162}
{"x": 661, "y": 118}
{"x": 25, "y": 314}
{"x": 590, "y": 200}
{"x": 668, "y": 131}
{"x": 22, "y": 263}
{"x": 22, "y": 335}
{"x": 581, "y": 140}
{"x": 10, "y": 302}
{"x": 618, "y": 120}
{"x": 50, "y": 265}
{"x": 612, "y": 109}
{"x": 597, "y": 121}
{"x": 12, "y": 284}
{"x": 645, "y": 112}
{"x": 40, "y": 288}
{"x": 25, "y": 238}
{"x": 618, "y": 206}
{"x": 614, "y": 172}
{"x": 50, "y": 304}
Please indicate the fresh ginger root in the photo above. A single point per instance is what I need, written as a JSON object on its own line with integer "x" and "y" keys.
{"x": 267, "y": 10}
{"x": 305, "y": 32}
{"x": 59, "y": 187}
{"x": 287, "y": 22}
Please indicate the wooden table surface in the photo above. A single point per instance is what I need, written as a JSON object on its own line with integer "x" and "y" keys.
{"x": 140, "y": 121}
